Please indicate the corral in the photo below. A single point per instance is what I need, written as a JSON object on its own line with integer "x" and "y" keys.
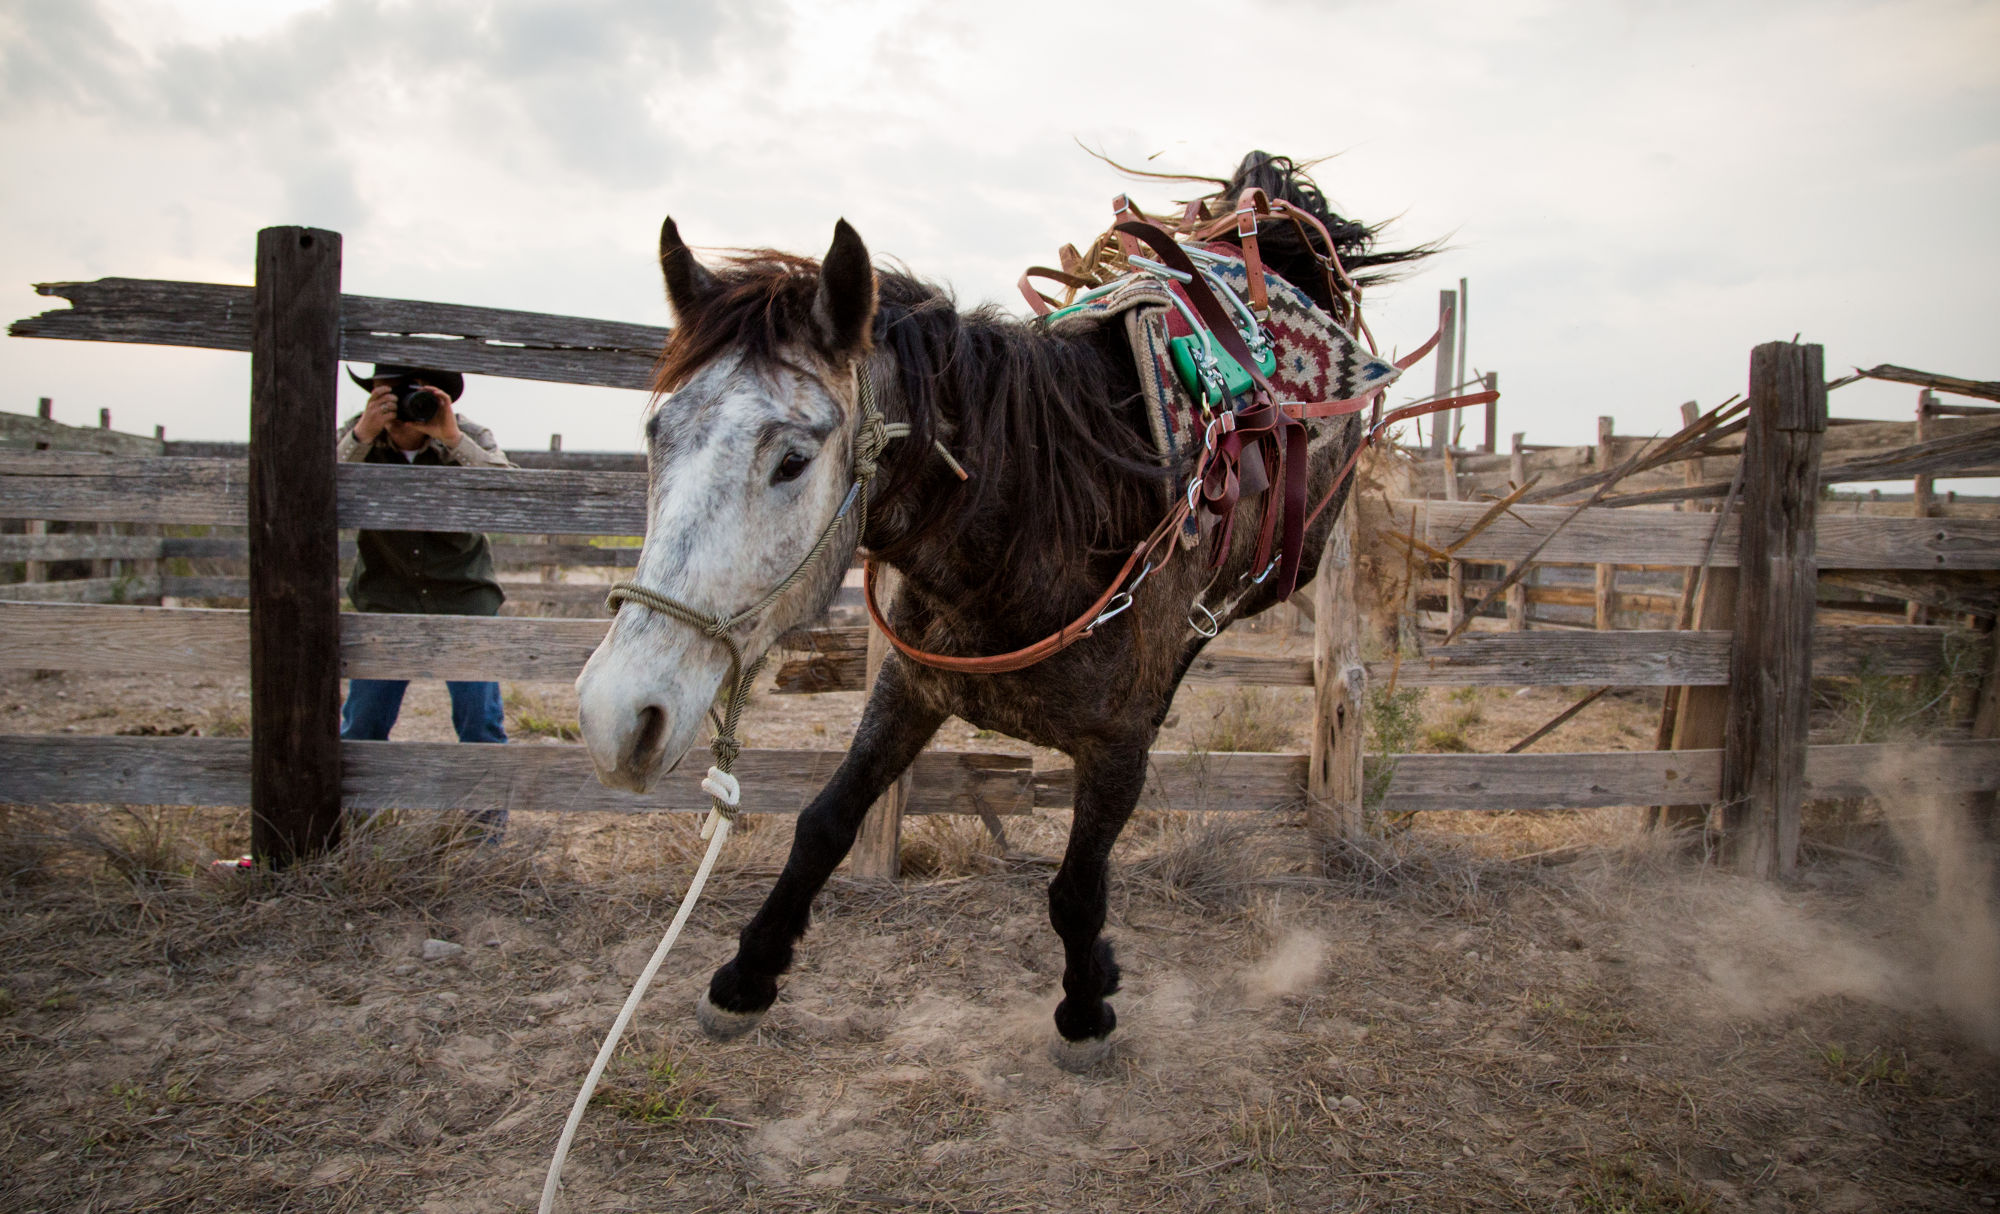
{"x": 1581, "y": 1016}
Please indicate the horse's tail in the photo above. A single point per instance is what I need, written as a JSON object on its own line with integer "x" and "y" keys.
{"x": 1291, "y": 255}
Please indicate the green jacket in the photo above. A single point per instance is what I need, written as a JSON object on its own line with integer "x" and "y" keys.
{"x": 425, "y": 572}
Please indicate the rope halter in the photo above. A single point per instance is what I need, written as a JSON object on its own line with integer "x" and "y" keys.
{"x": 871, "y": 437}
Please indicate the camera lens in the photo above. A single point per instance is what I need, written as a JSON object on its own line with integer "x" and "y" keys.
{"x": 415, "y": 404}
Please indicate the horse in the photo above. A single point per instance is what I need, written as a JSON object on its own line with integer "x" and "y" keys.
{"x": 765, "y": 399}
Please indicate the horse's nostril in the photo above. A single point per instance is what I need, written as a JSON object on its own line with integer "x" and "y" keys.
{"x": 652, "y": 730}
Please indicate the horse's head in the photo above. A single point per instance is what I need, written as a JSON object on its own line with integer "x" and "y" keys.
{"x": 750, "y": 456}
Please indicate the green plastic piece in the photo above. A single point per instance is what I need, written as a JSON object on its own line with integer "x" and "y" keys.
{"x": 1235, "y": 379}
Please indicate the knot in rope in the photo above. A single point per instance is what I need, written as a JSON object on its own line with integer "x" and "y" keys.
{"x": 869, "y": 442}
{"x": 725, "y": 752}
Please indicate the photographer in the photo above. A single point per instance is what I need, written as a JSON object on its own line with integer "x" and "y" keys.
{"x": 411, "y": 418}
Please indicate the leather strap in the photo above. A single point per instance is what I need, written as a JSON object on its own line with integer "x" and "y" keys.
{"x": 1333, "y": 408}
{"x": 1041, "y": 303}
{"x": 1248, "y": 207}
{"x": 1050, "y": 645}
{"x": 1122, "y": 213}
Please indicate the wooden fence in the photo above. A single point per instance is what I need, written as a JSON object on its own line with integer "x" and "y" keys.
{"x": 1757, "y": 657}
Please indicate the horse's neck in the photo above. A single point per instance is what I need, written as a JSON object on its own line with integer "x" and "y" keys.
{"x": 951, "y": 564}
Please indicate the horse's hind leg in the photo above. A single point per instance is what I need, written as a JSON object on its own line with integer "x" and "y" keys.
{"x": 1108, "y": 783}
{"x": 892, "y": 732}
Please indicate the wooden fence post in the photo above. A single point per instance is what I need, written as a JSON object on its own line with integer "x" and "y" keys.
{"x": 877, "y": 853}
{"x": 1922, "y": 496}
{"x": 38, "y": 571}
{"x": 1454, "y": 570}
{"x": 1605, "y": 600}
{"x": 1333, "y": 766}
{"x": 1517, "y": 475}
{"x": 1700, "y": 714}
{"x": 1770, "y": 665}
{"x": 1492, "y": 443}
{"x": 1462, "y": 306}
{"x": 1447, "y": 343}
{"x": 294, "y": 546}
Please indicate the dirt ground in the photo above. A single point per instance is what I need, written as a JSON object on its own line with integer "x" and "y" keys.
{"x": 1518, "y": 1012}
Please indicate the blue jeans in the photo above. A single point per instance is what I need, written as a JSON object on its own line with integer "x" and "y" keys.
{"x": 373, "y": 705}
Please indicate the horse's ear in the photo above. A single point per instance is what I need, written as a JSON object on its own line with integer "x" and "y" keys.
{"x": 687, "y": 282}
{"x": 844, "y": 308}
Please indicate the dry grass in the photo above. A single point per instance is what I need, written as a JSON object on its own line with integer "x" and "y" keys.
{"x": 1261, "y": 719}
{"x": 941, "y": 845}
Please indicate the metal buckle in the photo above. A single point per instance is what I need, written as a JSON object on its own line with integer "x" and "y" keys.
{"x": 1122, "y": 600}
{"x": 1214, "y": 628}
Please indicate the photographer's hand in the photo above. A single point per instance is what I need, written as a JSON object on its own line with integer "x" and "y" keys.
{"x": 375, "y": 415}
{"x": 444, "y": 426}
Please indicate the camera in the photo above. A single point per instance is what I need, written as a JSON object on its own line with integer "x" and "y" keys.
{"x": 414, "y": 403}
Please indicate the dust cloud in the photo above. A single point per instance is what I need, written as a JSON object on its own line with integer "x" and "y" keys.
{"x": 1294, "y": 964}
{"x": 1922, "y": 937}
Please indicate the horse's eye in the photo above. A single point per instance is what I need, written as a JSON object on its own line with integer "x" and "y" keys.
{"x": 791, "y": 467}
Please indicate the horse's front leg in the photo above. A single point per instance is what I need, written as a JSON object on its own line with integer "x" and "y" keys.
{"x": 1108, "y": 782}
{"x": 893, "y": 730}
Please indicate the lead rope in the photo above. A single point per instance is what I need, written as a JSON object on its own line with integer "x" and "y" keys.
{"x": 722, "y": 787}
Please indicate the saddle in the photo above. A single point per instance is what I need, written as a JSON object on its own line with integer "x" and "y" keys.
{"x": 1310, "y": 356}
{"x": 1234, "y": 362}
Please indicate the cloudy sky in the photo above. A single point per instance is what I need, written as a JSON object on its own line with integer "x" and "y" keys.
{"x": 1637, "y": 192}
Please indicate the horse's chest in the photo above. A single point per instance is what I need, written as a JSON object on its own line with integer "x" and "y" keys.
{"x": 1056, "y": 704}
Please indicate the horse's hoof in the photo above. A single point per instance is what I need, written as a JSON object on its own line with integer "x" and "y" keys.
{"x": 1080, "y": 1056}
{"x": 721, "y": 1025}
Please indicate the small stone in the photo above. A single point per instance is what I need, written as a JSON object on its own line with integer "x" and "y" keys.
{"x": 439, "y": 950}
{"x": 404, "y": 969}
{"x": 1737, "y": 1159}
{"x": 1349, "y": 1104}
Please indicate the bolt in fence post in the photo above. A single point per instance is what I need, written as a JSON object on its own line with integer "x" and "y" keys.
{"x": 1770, "y": 665}
{"x": 294, "y": 546}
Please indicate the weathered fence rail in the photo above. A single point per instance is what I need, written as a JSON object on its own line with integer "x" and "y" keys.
{"x": 488, "y": 341}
